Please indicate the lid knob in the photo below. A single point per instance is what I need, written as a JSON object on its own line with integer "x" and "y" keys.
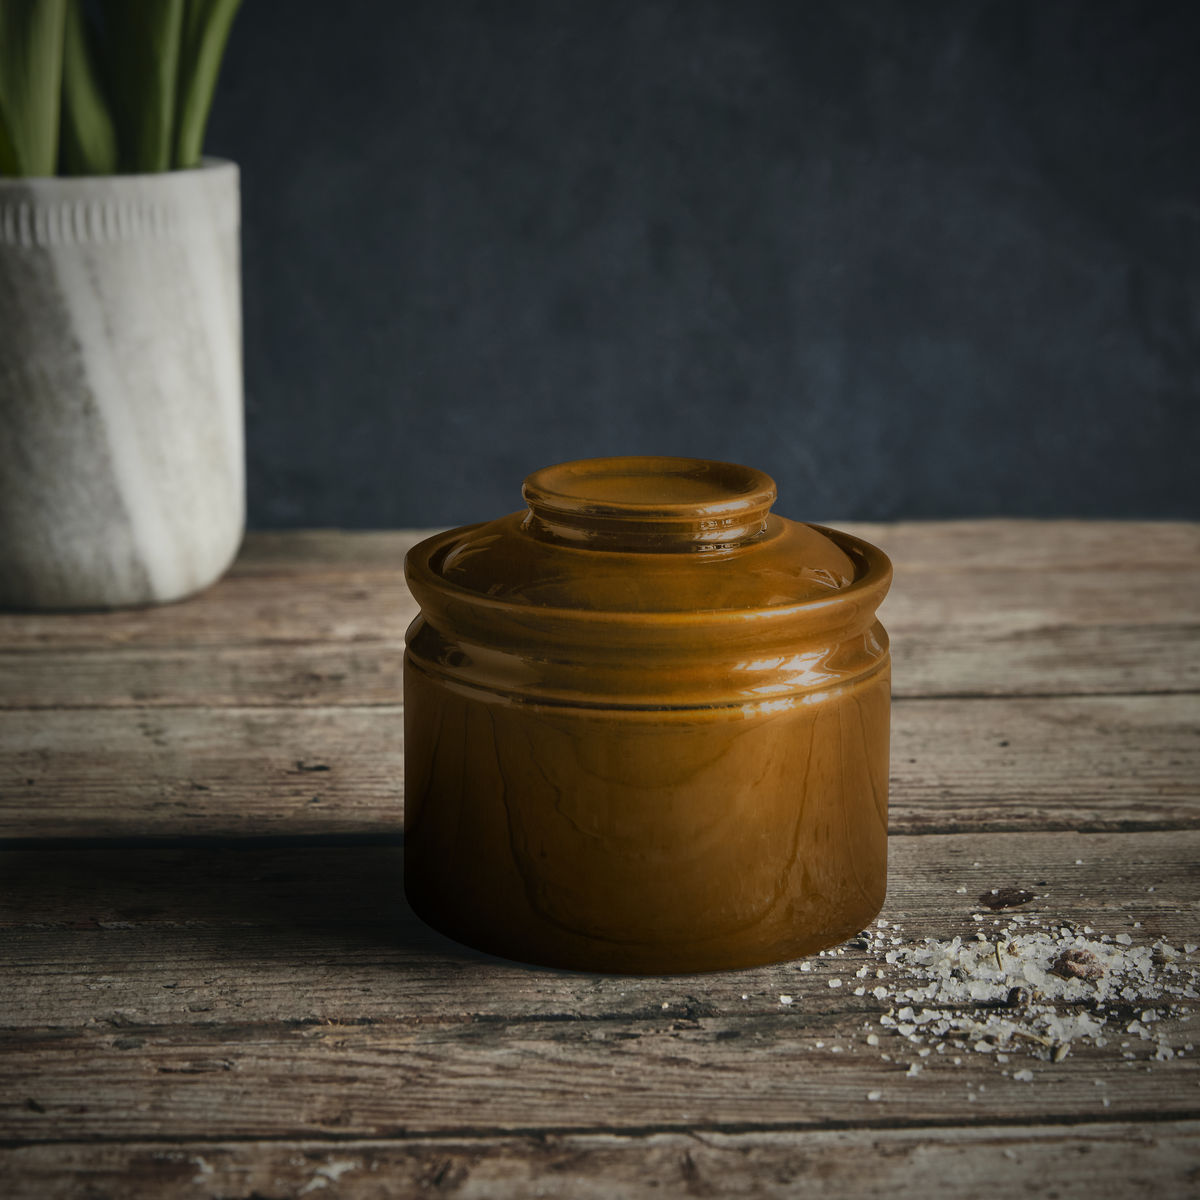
{"x": 648, "y": 503}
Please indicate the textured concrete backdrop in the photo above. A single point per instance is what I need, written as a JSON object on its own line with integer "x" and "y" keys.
{"x": 913, "y": 259}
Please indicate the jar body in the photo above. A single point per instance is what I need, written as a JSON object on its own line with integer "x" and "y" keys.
{"x": 646, "y": 724}
{"x": 646, "y": 840}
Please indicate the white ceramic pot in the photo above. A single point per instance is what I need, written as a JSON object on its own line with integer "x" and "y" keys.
{"x": 122, "y": 477}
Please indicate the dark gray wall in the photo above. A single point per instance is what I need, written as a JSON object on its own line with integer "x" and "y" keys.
{"x": 913, "y": 258}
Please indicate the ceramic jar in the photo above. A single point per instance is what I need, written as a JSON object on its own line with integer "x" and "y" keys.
{"x": 646, "y": 724}
{"x": 121, "y": 447}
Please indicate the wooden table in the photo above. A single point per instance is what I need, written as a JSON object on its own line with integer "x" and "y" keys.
{"x": 212, "y": 985}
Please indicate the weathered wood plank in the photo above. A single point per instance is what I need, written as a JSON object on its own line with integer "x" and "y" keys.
{"x": 1090, "y": 763}
{"x": 385, "y": 1078}
{"x": 1081, "y": 1162}
{"x": 1034, "y": 545}
{"x": 1068, "y": 660}
{"x": 278, "y": 608}
{"x": 289, "y": 608}
{"x": 293, "y": 639}
{"x": 218, "y": 772}
{"x": 320, "y": 551}
{"x": 113, "y": 938}
{"x": 319, "y": 618}
{"x": 1085, "y": 659}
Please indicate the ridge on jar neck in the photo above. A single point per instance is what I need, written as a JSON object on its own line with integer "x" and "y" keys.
{"x": 648, "y": 503}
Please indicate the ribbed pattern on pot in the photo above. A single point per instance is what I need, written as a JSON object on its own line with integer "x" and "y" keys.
{"x": 120, "y": 387}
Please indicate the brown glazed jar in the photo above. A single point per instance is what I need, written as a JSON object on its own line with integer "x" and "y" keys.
{"x": 646, "y": 724}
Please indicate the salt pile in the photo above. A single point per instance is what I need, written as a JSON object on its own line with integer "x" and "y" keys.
{"x": 1024, "y": 988}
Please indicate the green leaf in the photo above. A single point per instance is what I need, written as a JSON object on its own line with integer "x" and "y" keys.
{"x": 8, "y": 152}
{"x": 31, "y": 54}
{"x": 143, "y": 39}
{"x": 89, "y": 140}
{"x": 205, "y": 31}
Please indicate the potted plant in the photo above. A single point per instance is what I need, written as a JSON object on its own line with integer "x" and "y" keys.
{"x": 122, "y": 477}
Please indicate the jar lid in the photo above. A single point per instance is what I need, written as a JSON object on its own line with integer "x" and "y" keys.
{"x": 646, "y": 535}
{"x": 634, "y": 582}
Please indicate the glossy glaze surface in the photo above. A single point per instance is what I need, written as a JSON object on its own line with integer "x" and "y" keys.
{"x": 647, "y": 724}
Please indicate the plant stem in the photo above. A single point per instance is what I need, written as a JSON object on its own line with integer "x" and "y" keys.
{"x": 31, "y": 57}
{"x": 143, "y": 41}
{"x": 89, "y": 139}
{"x": 206, "y": 27}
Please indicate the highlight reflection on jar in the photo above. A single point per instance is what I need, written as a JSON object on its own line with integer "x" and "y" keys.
{"x": 646, "y": 724}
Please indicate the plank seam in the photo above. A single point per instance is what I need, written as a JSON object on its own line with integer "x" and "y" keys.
{"x": 545, "y": 1132}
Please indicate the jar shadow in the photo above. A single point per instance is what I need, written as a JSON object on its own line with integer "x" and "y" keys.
{"x": 240, "y": 901}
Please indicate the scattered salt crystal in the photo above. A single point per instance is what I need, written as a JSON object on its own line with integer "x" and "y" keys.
{"x": 881, "y": 923}
{"x": 914, "y": 1069}
{"x": 835, "y": 983}
{"x": 1124, "y": 939}
{"x": 785, "y": 999}
{"x": 806, "y": 966}
{"x": 745, "y": 995}
{"x": 872, "y": 1039}
{"x": 874, "y": 1095}
{"x": 880, "y": 993}
{"x": 860, "y": 991}
{"x": 960, "y": 891}
{"x": 1025, "y": 1076}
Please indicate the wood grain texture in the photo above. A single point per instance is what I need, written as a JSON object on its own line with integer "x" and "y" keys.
{"x": 164, "y": 1010}
{"x": 106, "y": 939}
{"x": 1104, "y": 762}
{"x": 387, "y": 1078}
{"x": 1001, "y": 659}
{"x": 1087, "y": 1162}
{"x": 284, "y": 609}
{"x": 1082, "y": 1162}
{"x": 311, "y": 618}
